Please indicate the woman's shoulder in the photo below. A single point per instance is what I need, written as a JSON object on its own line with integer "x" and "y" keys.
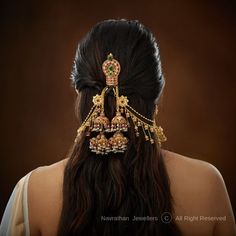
{"x": 45, "y": 196}
{"x": 199, "y": 191}
{"x": 194, "y": 179}
{"x": 48, "y": 171}
{"x": 183, "y": 166}
{"x": 46, "y": 178}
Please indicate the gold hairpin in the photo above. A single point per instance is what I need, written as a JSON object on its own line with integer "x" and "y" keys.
{"x": 96, "y": 120}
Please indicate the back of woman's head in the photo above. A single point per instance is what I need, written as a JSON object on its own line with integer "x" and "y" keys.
{"x": 134, "y": 46}
{"x": 134, "y": 183}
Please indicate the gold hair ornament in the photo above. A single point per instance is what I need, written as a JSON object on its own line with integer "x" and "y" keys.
{"x": 96, "y": 120}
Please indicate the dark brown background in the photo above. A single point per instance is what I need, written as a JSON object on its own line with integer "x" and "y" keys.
{"x": 38, "y": 42}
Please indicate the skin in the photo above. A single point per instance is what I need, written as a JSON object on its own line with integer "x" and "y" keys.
{"x": 197, "y": 187}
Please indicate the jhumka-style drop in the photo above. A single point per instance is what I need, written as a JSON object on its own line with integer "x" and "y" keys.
{"x": 96, "y": 120}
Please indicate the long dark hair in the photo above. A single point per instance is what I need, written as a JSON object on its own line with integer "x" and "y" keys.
{"x": 103, "y": 194}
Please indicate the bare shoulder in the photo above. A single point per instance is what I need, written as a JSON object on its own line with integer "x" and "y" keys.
{"x": 46, "y": 179}
{"x": 180, "y": 165}
{"x": 45, "y": 196}
{"x": 198, "y": 189}
{"x": 48, "y": 172}
{"x": 196, "y": 176}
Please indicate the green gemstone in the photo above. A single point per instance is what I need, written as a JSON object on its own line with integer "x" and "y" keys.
{"x": 111, "y": 68}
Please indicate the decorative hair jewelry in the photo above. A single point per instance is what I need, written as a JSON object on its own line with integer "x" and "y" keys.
{"x": 96, "y": 120}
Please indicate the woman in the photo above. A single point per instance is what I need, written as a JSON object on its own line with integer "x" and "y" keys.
{"x": 117, "y": 180}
